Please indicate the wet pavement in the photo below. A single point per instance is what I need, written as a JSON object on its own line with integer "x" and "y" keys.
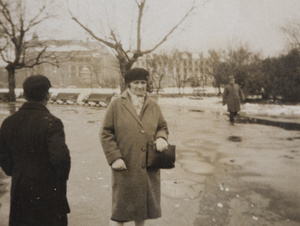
{"x": 240, "y": 175}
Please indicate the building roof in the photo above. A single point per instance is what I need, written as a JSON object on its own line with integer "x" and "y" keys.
{"x": 67, "y": 48}
{"x": 64, "y": 48}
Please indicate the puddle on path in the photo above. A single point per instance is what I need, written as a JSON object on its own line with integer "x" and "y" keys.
{"x": 70, "y": 111}
{"x": 196, "y": 166}
{"x": 92, "y": 121}
{"x": 293, "y": 138}
{"x": 191, "y": 187}
{"x": 196, "y": 110}
{"x": 235, "y": 139}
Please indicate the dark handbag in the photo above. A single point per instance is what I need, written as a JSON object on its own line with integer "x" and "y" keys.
{"x": 160, "y": 160}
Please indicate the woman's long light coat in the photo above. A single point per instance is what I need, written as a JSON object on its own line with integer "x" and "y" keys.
{"x": 124, "y": 134}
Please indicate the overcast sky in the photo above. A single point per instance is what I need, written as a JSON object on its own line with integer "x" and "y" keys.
{"x": 216, "y": 24}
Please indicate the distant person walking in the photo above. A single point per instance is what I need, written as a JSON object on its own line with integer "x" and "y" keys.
{"x": 33, "y": 151}
{"x": 131, "y": 122}
{"x": 232, "y": 96}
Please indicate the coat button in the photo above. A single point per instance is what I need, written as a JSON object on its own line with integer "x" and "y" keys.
{"x": 143, "y": 131}
{"x": 143, "y": 165}
{"x": 143, "y": 149}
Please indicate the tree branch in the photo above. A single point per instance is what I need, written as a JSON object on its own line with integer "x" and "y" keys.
{"x": 6, "y": 14}
{"x": 3, "y": 57}
{"x": 141, "y": 9}
{"x": 109, "y": 44}
{"x": 35, "y": 20}
{"x": 165, "y": 38}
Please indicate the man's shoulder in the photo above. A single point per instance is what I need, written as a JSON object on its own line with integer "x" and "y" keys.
{"x": 51, "y": 116}
{"x": 7, "y": 120}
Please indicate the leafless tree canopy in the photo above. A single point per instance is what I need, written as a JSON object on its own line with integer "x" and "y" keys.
{"x": 19, "y": 45}
{"x": 127, "y": 57}
{"x": 18, "y": 41}
{"x": 292, "y": 31}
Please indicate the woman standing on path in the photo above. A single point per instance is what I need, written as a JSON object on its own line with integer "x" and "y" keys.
{"x": 131, "y": 122}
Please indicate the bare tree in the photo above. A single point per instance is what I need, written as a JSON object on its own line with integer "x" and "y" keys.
{"x": 292, "y": 30}
{"x": 158, "y": 68}
{"x": 126, "y": 58}
{"x": 200, "y": 71}
{"x": 19, "y": 47}
{"x": 188, "y": 68}
{"x": 215, "y": 68}
{"x": 179, "y": 66}
{"x": 234, "y": 61}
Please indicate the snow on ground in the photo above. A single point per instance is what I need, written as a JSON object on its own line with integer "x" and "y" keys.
{"x": 213, "y": 104}
{"x": 292, "y": 111}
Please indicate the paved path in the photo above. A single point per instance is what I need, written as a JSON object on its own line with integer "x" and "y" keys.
{"x": 245, "y": 174}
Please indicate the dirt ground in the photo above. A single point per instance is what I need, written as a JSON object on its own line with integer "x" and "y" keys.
{"x": 240, "y": 175}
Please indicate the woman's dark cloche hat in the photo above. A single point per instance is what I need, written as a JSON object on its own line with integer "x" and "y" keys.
{"x": 136, "y": 74}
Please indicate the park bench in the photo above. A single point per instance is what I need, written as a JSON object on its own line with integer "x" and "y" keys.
{"x": 98, "y": 99}
{"x": 160, "y": 91}
{"x": 199, "y": 91}
{"x": 65, "y": 98}
{"x": 4, "y": 96}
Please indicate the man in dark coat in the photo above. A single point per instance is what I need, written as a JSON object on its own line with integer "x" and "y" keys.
{"x": 33, "y": 151}
{"x": 232, "y": 96}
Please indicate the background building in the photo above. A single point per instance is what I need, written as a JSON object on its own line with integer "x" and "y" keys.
{"x": 81, "y": 64}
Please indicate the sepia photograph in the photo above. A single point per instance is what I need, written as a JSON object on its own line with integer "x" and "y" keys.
{"x": 149, "y": 112}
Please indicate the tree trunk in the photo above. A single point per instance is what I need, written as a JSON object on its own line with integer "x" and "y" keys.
{"x": 11, "y": 84}
{"x": 122, "y": 82}
{"x": 124, "y": 67}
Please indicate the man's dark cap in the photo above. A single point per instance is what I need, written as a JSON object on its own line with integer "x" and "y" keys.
{"x": 36, "y": 87}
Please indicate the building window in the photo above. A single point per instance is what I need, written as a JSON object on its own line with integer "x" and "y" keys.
{"x": 73, "y": 71}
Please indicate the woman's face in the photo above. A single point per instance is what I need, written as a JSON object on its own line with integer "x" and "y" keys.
{"x": 138, "y": 87}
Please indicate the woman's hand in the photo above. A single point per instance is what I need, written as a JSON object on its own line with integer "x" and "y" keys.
{"x": 119, "y": 164}
{"x": 161, "y": 144}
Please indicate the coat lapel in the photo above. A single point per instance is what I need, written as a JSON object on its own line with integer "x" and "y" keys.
{"x": 127, "y": 103}
{"x": 145, "y": 106}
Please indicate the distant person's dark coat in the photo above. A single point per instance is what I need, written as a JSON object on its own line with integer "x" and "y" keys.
{"x": 136, "y": 190}
{"x": 232, "y": 96}
{"x": 33, "y": 151}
